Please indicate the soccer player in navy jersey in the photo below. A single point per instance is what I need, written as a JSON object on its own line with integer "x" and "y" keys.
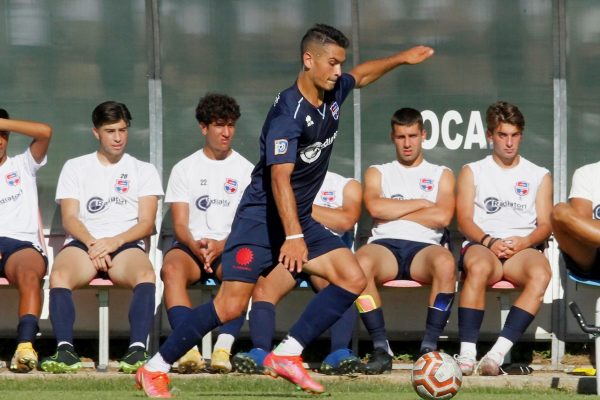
{"x": 273, "y": 223}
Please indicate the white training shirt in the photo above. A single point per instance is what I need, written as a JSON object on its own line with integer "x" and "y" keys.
{"x": 505, "y": 197}
{"x": 212, "y": 189}
{"x": 408, "y": 183}
{"x": 108, "y": 195}
{"x": 19, "y": 198}
{"x": 586, "y": 185}
{"x": 331, "y": 193}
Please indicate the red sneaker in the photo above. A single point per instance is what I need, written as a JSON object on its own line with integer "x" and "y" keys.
{"x": 291, "y": 368}
{"x": 154, "y": 384}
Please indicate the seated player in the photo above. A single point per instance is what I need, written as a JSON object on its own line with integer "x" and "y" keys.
{"x": 337, "y": 207}
{"x": 503, "y": 208}
{"x": 411, "y": 202}
{"x": 204, "y": 191}
{"x": 22, "y": 260}
{"x": 108, "y": 202}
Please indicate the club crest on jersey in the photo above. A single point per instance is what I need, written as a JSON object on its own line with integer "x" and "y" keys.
{"x": 328, "y": 196}
{"x": 281, "y": 146}
{"x": 522, "y": 188}
{"x": 231, "y": 185}
{"x": 309, "y": 121}
{"x": 335, "y": 110}
{"x": 122, "y": 186}
{"x": 13, "y": 179}
{"x": 426, "y": 184}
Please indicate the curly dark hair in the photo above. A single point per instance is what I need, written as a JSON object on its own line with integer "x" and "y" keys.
{"x": 322, "y": 34}
{"x": 215, "y": 106}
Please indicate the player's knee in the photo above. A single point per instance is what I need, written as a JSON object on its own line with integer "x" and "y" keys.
{"x": 355, "y": 282}
{"x": 59, "y": 278}
{"x": 30, "y": 279}
{"x": 444, "y": 270}
{"x": 170, "y": 274}
{"x": 478, "y": 273}
{"x": 367, "y": 266}
{"x": 146, "y": 276}
{"x": 539, "y": 281}
{"x": 229, "y": 310}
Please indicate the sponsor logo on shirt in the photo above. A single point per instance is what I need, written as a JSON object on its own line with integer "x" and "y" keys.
{"x": 335, "y": 110}
{"x": 122, "y": 186}
{"x": 493, "y": 205}
{"x": 13, "y": 179}
{"x": 311, "y": 153}
{"x": 597, "y": 212}
{"x": 203, "y": 203}
{"x": 97, "y": 204}
{"x": 522, "y": 188}
{"x": 231, "y": 185}
{"x": 13, "y": 197}
{"x": 309, "y": 121}
{"x": 328, "y": 196}
{"x": 281, "y": 146}
{"x": 276, "y": 99}
{"x": 426, "y": 184}
{"x": 397, "y": 197}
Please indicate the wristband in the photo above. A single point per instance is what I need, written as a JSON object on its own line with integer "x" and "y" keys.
{"x": 298, "y": 236}
{"x": 491, "y": 242}
{"x": 487, "y": 235}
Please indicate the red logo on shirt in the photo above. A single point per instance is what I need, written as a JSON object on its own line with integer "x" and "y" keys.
{"x": 244, "y": 256}
{"x": 426, "y": 184}
{"x": 231, "y": 185}
{"x": 122, "y": 185}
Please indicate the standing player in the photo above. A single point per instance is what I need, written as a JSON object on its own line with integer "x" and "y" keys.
{"x": 575, "y": 224}
{"x": 108, "y": 202}
{"x": 273, "y": 222}
{"x": 411, "y": 202}
{"x": 503, "y": 209}
{"x": 337, "y": 207}
{"x": 22, "y": 260}
{"x": 204, "y": 191}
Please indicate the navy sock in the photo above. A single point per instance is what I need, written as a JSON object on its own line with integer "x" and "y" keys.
{"x": 177, "y": 314}
{"x": 27, "y": 328}
{"x": 262, "y": 325}
{"x": 375, "y": 324}
{"x": 201, "y": 320}
{"x": 343, "y": 329}
{"x": 141, "y": 312}
{"x": 62, "y": 314}
{"x": 234, "y": 326}
{"x": 516, "y": 323}
{"x": 469, "y": 324}
{"x": 434, "y": 326}
{"x": 322, "y": 311}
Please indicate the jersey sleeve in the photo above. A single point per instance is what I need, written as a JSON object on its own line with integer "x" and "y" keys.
{"x": 281, "y": 142}
{"x": 28, "y": 163}
{"x": 581, "y": 187}
{"x": 177, "y": 187}
{"x": 67, "y": 186}
{"x": 150, "y": 181}
{"x": 344, "y": 86}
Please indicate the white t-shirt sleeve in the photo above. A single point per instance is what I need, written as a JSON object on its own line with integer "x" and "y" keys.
{"x": 581, "y": 187}
{"x": 31, "y": 164}
{"x": 177, "y": 188}
{"x": 67, "y": 187}
{"x": 150, "y": 184}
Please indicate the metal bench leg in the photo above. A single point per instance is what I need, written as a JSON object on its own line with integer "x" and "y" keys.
{"x": 504, "y": 310}
{"x": 207, "y": 339}
{"x": 102, "y": 329}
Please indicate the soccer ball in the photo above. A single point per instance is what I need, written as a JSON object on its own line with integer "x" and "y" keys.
{"x": 436, "y": 376}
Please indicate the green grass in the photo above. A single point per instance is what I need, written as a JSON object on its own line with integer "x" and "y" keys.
{"x": 237, "y": 387}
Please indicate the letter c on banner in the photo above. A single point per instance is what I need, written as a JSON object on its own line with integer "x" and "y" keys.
{"x": 433, "y": 134}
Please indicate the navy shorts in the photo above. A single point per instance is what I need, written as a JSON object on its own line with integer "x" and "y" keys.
{"x": 204, "y": 276}
{"x": 404, "y": 251}
{"x": 593, "y": 273}
{"x": 80, "y": 245}
{"x": 9, "y": 246}
{"x": 252, "y": 249}
{"x": 463, "y": 251}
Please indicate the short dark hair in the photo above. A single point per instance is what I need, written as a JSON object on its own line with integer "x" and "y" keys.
{"x": 322, "y": 34}
{"x": 3, "y": 113}
{"x": 110, "y": 112}
{"x": 407, "y": 117}
{"x": 503, "y": 112}
{"x": 215, "y": 106}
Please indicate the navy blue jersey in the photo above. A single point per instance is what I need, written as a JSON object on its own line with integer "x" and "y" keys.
{"x": 297, "y": 132}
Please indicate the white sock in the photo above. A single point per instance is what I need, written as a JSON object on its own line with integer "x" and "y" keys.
{"x": 288, "y": 347}
{"x": 225, "y": 341}
{"x": 158, "y": 363}
{"x": 140, "y": 344}
{"x": 499, "y": 350}
{"x": 468, "y": 349}
{"x": 63, "y": 342}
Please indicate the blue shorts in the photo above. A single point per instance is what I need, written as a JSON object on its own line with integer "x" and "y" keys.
{"x": 9, "y": 246}
{"x": 204, "y": 276}
{"x": 252, "y": 249}
{"x": 404, "y": 251}
{"x": 593, "y": 273}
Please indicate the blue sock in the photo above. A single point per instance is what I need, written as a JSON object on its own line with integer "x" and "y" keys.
{"x": 141, "y": 312}
{"x": 27, "y": 328}
{"x": 234, "y": 326}
{"x": 516, "y": 323}
{"x": 177, "y": 314}
{"x": 343, "y": 329}
{"x": 262, "y": 325}
{"x": 322, "y": 312}
{"x": 200, "y": 321}
{"x": 62, "y": 314}
{"x": 469, "y": 324}
{"x": 375, "y": 324}
{"x": 434, "y": 326}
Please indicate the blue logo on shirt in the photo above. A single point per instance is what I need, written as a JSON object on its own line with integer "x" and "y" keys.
{"x": 202, "y": 203}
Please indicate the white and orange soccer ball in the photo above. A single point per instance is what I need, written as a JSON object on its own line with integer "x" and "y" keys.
{"x": 436, "y": 375}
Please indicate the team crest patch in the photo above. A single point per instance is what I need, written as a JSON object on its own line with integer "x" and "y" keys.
{"x": 231, "y": 185}
{"x": 328, "y": 196}
{"x": 13, "y": 179}
{"x": 281, "y": 146}
{"x": 426, "y": 184}
{"x": 244, "y": 256}
{"x": 335, "y": 110}
{"x": 122, "y": 186}
{"x": 522, "y": 188}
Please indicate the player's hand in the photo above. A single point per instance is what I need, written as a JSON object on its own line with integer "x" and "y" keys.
{"x": 213, "y": 250}
{"x": 102, "y": 264}
{"x": 293, "y": 254}
{"x": 499, "y": 248}
{"x": 103, "y": 247}
{"x": 417, "y": 54}
{"x": 514, "y": 244}
{"x": 198, "y": 248}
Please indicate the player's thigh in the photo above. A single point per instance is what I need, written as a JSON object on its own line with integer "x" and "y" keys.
{"x": 433, "y": 262}
{"x": 528, "y": 266}
{"x": 378, "y": 262}
{"x": 130, "y": 268}
{"x": 481, "y": 264}
{"x": 25, "y": 266}
{"x": 273, "y": 287}
{"x": 337, "y": 266}
{"x": 72, "y": 269}
{"x": 179, "y": 266}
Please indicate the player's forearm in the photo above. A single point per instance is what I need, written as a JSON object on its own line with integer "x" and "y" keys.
{"x": 139, "y": 231}
{"x": 391, "y": 209}
{"x": 286, "y": 206}
{"x": 470, "y": 230}
{"x": 433, "y": 217}
{"x": 336, "y": 219}
{"x": 77, "y": 229}
{"x": 539, "y": 235}
{"x": 36, "y": 130}
{"x": 183, "y": 234}
{"x": 369, "y": 71}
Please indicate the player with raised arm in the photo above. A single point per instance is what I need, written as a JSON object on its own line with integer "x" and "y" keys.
{"x": 22, "y": 259}
{"x": 411, "y": 202}
{"x": 273, "y": 223}
{"x": 108, "y": 202}
{"x": 503, "y": 208}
